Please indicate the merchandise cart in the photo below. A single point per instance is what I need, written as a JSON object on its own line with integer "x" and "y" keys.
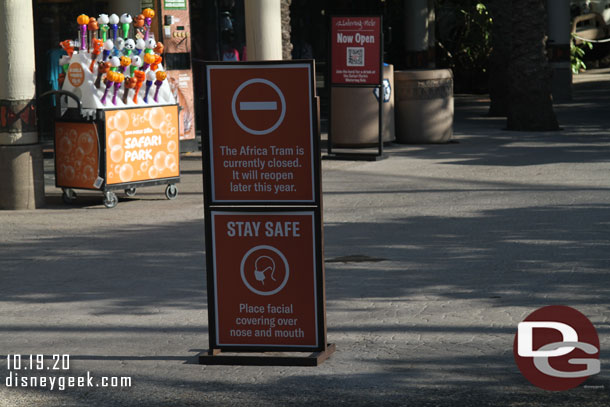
{"x": 117, "y": 121}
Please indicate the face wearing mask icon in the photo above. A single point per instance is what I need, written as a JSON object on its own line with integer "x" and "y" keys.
{"x": 262, "y": 265}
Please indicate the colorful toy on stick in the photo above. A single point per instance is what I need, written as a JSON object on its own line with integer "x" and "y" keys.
{"x": 148, "y": 59}
{"x": 83, "y": 20}
{"x": 102, "y": 68}
{"x": 114, "y": 24}
{"x": 139, "y": 21}
{"x": 126, "y": 20}
{"x": 118, "y": 81}
{"x": 103, "y": 21}
{"x": 130, "y": 45}
{"x": 110, "y": 78}
{"x": 130, "y": 83}
{"x": 149, "y": 14}
{"x": 115, "y": 62}
{"x": 158, "y": 60}
{"x": 125, "y": 62}
{"x": 150, "y": 77}
{"x": 108, "y": 47}
{"x": 68, "y": 46}
{"x": 93, "y": 26}
{"x": 140, "y": 78}
{"x": 119, "y": 46}
{"x": 64, "y": 62}
{"x": 161, "y": 75}
{"x": 97, "y": 49}
{"x": 116, "y": 59}
{"x": 150, "y": 45}
{"x": 140, "y": 45}
{"x": 136, "y": 63}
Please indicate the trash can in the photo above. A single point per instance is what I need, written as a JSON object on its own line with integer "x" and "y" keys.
{"x": 355, "y": 114}
{"x": 424, "y": 106}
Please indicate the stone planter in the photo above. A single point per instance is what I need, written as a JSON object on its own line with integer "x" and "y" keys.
{"x": 424, "y": 106}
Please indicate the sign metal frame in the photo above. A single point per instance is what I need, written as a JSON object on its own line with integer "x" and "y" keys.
{"x": 322, "y": 350}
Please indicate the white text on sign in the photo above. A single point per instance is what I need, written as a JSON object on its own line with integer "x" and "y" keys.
{"x": 260, "y": 169}
{"x": 270, "y": 229}
{"x": 274, "y": 321}
{"x": 359, "y": 39}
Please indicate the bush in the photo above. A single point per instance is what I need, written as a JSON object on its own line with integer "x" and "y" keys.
{"x": 464, "y": 42}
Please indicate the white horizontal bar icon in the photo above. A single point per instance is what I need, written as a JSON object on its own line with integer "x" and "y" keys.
{"x": 258, "y": 105}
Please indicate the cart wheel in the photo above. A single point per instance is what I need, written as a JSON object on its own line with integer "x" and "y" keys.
{"x": 110, "y": 199}
{"x": 130, "y": 192}
{"x": 68, "y": 196}
{"x": 171, "y": 192}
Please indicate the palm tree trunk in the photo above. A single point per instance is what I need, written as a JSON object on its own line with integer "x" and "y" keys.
{"x": 530, "y": 104}
{"x": 501, "y": 38}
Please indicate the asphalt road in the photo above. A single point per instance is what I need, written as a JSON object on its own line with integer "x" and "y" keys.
{"x": 433, "y": 256}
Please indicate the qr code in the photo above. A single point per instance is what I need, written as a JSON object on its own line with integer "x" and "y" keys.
{"x": 355, "y": 56}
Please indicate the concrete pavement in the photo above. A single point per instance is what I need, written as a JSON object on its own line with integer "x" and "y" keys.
{"x": 433, "y": 256}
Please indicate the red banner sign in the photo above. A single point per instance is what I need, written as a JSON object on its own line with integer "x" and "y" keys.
{"x": 356, "y": 50}
{"x": 265, "y": 271}
{"x": 261, "y": 133}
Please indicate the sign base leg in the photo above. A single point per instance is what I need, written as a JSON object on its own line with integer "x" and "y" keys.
{"x": 216, "y": 357}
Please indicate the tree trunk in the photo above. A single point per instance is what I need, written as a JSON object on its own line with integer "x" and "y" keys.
{"x": 500, "y": 57}
{"x": 530, "y": 104}
{"x": 286, "y": 42}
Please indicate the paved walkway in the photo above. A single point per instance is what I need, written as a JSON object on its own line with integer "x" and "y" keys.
{"x": 432, "y": 258}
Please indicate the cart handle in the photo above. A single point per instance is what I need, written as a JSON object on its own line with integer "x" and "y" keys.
{"x": 73, "y": 95}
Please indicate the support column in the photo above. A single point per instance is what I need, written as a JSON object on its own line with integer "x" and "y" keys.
{"x": 263, "y": 30}
{"x": 558, "y": 48}
{"x": 21, "y": 164}
{"x": 419, "y": 33}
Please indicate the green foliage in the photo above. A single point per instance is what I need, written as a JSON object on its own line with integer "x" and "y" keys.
{"x": 577, "y": 53}
{"x": 464, "y": 34}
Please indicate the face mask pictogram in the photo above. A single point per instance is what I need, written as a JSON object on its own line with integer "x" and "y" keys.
{"x": 262, "y": 265}
{"x": 264, "y": 270}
